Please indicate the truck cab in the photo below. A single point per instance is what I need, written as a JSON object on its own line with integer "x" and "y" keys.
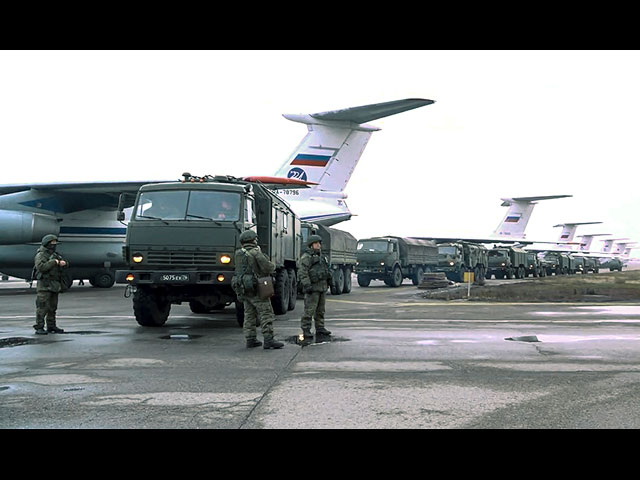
{"x": 181, "y": 242}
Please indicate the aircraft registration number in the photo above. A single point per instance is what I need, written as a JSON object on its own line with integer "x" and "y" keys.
{"x": 172, "y": 277}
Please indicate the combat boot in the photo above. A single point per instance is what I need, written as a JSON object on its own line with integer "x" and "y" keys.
{"x": 270, "y": 342}
{"x": 54, "y": 329}
{"x": 41, "y": 331}
{"x": 306, "y": 333}
{"x": 322, "y": 331}
{"x": 252, "y": 342}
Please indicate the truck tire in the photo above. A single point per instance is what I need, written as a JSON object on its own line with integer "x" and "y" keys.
{"x": 240, "y": 313}
{"x": 363, "y": 280}
{"x": 293, "y": 288}
{"x": 396, "y": 277}
{"x": 150, "y": 309}
{"x": 197, "y": 307}
{"x": 280, "y": 299}
{"x": 337, "y": 283}
{"x": 103, "y": 280}
{"x": 418, "y": 276}
{"x": 347, "y": 280}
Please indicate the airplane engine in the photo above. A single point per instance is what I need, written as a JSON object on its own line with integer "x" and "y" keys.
{"x": 24, "y": 227}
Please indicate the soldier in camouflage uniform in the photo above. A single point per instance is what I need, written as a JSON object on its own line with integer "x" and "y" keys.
{"x": 252, "y": 264}
{"x": 48, "y": 269}
{"x": 315, "y": 277}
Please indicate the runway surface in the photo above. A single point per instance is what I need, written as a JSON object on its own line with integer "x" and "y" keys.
{"x": 394, "y": 360}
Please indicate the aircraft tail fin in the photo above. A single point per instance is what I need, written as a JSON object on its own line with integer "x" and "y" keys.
{"x": 515, "y": 221}
{"x": 330, "y": 151}
{"x": 569, "y": 231}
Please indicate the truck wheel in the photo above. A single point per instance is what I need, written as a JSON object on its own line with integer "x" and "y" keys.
{"x": 103, "y": 280}
{"x": 150, "y": 309}
{"x": 280, "y": 299}
{"x": 347, "y": 280}
{"x": 293, "y": 288}
{"x": 337, "y": 285}
{"x": 240, "y": 313}
{"x": 197, "y": 307}
{"x": 418, "y": 276}
{"x": 396, "y": 278}
{"x": 363, "y": 280}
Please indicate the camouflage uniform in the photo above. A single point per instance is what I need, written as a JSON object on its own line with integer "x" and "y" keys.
{"x": 315, "y": 277}
{"x": 250, "y": 261}
{"x": 49, "y": 285}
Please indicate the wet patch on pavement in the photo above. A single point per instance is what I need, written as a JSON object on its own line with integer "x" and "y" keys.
{"x": 17, "y": 341}
{"x": 315, "y": 340}
{"x": 180, "y": 336}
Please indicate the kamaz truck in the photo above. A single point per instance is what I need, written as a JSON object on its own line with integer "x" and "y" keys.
{"x": 393, "y": 259}
{"x": 534, "y": 266}
{"x": 181, "y": 242}
{"x": 456, "y": 258}
{"x": 555, "y": 262}
{"x": 340, "y": 249}
{"x": 507, "y": 262}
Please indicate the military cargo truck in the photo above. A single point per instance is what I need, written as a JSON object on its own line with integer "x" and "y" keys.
{"x": 393, "y": 259}
{"x": 340, "y": 249}
{"x": 577, "y": 264}
{"x": 507, "y": 262}
{"x": 181, "y": 242}
{"x": 591, "y": 264}
{"x": 555, "y": 262}
{"x": 456, "y": 258}
{"x": 534, "y": 266}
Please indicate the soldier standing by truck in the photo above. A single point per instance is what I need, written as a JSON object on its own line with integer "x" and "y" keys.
{"x": 252, "y": 264}
{"x": 315, "y": 278}
{"x": 48, "y": 272}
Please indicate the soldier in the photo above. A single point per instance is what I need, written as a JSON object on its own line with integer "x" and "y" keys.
{"x": 48, "y": 269}
{"x": 251, "y": 264}
{"x": 315, "y": 278}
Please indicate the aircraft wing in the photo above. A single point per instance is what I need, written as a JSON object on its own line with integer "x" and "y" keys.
{"x": 520, "y": 241}
{"x": 68, "y": 197}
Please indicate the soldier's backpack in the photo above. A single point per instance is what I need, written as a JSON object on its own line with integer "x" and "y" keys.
{"x": 244, "y": 281}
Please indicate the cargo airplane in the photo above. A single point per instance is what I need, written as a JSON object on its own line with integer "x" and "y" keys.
{"x": 83, "y": 214}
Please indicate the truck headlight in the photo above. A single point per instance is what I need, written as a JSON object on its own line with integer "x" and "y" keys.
{"x": 451, "y": 263}
{"x": 137, "y": 257}
{"x": 225, "y": 259}
{"x": 130, "y": 277}
{"x": 502, "y": 264}
{"x": 381, "y": 263}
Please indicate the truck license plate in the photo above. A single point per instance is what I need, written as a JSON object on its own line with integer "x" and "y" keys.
{"x": 171, "y": 277}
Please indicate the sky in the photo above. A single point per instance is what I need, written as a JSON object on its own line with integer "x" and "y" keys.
{"x": 506, "y": 123}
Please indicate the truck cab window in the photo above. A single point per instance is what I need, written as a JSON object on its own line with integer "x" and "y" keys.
{"x": 162, "y": 205}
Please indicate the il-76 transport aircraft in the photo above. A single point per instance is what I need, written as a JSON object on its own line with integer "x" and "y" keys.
{"x": 84, "y": 214}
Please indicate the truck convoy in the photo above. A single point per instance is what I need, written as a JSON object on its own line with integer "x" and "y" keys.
{"x": 181, "y": 242}
{"x": 507, "y": 262}
{"x": 340, "y": 249}
{"x": 456, "y": 258}
{"x": 393, "y": 259}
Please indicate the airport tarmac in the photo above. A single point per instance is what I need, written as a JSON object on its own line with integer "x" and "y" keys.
{"x": 394, "y": 361}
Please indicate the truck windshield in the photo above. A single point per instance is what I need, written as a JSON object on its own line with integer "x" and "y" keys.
{"x": 497, "y": 253}
{"x": 188, "y": 205}
{"x": 447, "y": 250}
{"x": 374, "y": 246}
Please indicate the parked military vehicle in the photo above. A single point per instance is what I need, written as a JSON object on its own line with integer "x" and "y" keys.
{"x": 456, "y": 258}
{"x": 612, "y": 264}
{"x": 340, "y": 249}
{"x": 507, "y": 262}
{"x": 181, "y": 242}
{"x": 591, "y": 264}
{"x": 577, "y": 264}
{"x": 534, "y": 266}
{"x": 393, "y": 259}
{"x": 555, "y": 262}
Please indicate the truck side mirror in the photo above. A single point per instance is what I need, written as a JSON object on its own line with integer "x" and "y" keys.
{"x": 120, "y": 216}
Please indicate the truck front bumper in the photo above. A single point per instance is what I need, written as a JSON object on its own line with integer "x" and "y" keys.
{"x": 174, "y": 277}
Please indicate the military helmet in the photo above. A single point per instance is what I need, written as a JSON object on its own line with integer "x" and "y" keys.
{"x": 248, "y": 236}
{"x": 48, "y": 239}
{"x": 313, "y": 239}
